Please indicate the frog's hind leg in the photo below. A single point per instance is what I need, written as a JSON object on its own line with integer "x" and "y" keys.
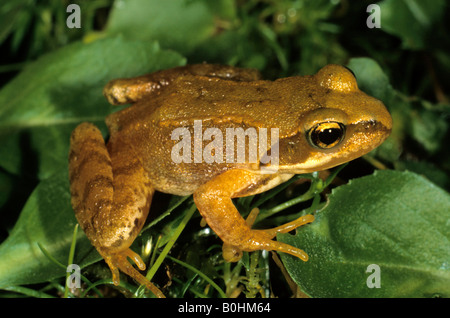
{"x": 111, "y": 197}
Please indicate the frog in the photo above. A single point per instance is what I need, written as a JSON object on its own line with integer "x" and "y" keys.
{"x": 319, "y": 121}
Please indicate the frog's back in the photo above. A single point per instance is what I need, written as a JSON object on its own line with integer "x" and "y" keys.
{"x": 263, "y": 104}
{"x": 218, "y": 103}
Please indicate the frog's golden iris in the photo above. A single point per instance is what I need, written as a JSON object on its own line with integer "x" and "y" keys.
{"x": 326, "y": 135}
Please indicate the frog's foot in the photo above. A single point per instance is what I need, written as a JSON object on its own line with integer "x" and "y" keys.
{"x": 285, "y": 228}
{"x": 234, "y": 253}
{"x": 118, "y": 261}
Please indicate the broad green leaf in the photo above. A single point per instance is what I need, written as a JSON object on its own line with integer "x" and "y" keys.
{"x": 46, "y": 219}
{"x": 179, "y": 25}
{"x": 427, "y": 169}
{"x": 398, "y": 221}
{"x": 42, "y": 105}
{"x": 411, "y": 20}
{"x": 371, "y": 78}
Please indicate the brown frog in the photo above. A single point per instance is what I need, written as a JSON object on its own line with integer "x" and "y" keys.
{"x": 198, "y": 130}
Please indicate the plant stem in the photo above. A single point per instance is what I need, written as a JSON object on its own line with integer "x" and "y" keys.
{"x": 171, "y": 242}
{"x": 71, "y": 256}
{"x": 201, "y": 274}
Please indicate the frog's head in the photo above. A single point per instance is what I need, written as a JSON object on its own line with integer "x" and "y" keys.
{"x": 341, "y": 123}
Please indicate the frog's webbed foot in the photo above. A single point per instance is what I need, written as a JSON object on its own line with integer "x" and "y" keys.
{"x": 233, "y": 253}
{"x": 119, "y": 261}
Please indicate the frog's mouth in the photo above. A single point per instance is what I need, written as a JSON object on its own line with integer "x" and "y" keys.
{"x": 360, "y": 138}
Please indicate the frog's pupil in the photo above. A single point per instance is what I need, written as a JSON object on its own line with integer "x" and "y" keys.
{"x": 329, "y": 135}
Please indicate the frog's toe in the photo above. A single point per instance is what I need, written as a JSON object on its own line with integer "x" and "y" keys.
{"x": 261, "y": 240}
{"x": 119, "y": 261}
{"x": 285, "y": 228}
{"x": 289, "y": 249}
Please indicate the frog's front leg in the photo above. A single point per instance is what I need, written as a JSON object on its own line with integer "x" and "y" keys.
{"x": 130, "y": 90}
{"x": 234, "y": 254}
{"x": 111, "y": 197}
{"x": 213, "y": 200}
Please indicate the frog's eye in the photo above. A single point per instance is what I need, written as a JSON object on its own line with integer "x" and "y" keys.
{"x": 326, "y": 135}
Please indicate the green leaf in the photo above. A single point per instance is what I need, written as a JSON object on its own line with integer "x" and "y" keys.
{"x": 428, "y": 126}
{"x": 42, "y": 105}
{"x": 371, "y": 78}
{"x": 179, "y": 25}
{"x": 11, "y": 14}
{"x": 427, "y": 169}
{"x": 396, "y": 220}
{"x": 411, "y": 20}
{"x": 46, "y": 219}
